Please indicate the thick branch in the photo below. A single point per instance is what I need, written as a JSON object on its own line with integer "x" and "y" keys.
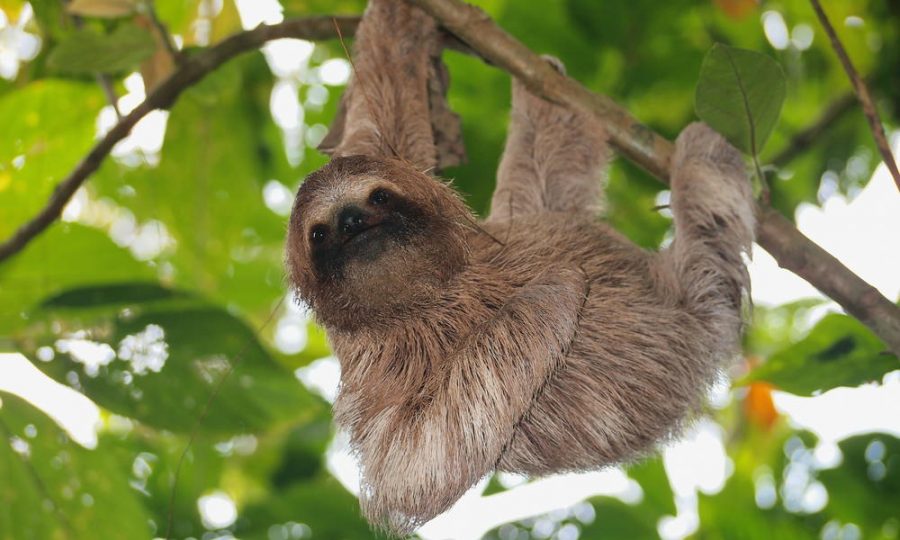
{"x": 776, "y": 234}
{"x": 862, "y": 92}
{"x": 480, "y": 35}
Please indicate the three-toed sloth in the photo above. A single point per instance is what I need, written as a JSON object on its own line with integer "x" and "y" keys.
{"x": 536, "y": 341}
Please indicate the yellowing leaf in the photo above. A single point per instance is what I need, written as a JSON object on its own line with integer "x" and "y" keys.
{"x": 11, "y": 8}
{"x": 102, "y": 8}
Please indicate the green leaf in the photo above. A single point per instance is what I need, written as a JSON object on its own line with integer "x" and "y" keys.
{"x": 153, "y": 458}
{"x": 66, "y": 255}
{"x": 616, "y": 520}
{"x": 85, "y": 51}
{"x": 322, "y": 505}
{"x": 865, "y": 488}
{"x": 740, "y": 94}
{"x": 651, "y": 475}
{"x": 54, "y": 488}
{"x": 44, "y": 137}
{"x": 839, "y": 351}
{"x": 156, "y": 355}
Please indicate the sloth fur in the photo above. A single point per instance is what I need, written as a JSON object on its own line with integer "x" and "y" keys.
{"x": 537, "y": 341}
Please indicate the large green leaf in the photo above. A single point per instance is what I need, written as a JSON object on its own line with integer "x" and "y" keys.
{"x": 157, "y": 356}
{"x": 65, "y": 256}
{"x": 153, "y": 458}
{"x": 865, "y": 488}
{"x": 839, "y": 351}
{"x": 86, "y": 51}
{"x": 54, "y": 488}
{"x": 44, "y": 136}
{"x": 740, "y": 94}
{"x": 658, "y": 496}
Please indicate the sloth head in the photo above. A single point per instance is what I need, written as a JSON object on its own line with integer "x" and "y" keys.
{"x": 373, "y": 239}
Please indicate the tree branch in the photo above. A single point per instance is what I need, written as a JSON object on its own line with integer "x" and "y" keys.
{"x": 641, "y": 145}
{"x": 190, "y": 71}
{"x": 862, "y": 92}
{"x": 478, "y": 34}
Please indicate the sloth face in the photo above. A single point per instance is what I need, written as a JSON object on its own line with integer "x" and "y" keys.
{"x": 372, "y": 236}
{"x": 364, "y": 223}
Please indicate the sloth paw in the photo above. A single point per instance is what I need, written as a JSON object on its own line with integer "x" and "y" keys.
{"x": 699, "y": 144}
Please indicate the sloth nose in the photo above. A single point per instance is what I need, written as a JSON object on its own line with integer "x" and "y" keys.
{"x": 352, "y": 220}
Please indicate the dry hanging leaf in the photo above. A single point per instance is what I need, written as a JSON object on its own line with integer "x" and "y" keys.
{"x": 160, "y": 65}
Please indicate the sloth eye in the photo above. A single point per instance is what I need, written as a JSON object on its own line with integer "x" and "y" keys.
{"x": 318, "y": 234}
{"x": 379, "y": 196}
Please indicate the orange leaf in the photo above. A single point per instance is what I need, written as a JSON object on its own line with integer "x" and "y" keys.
{"x": 737, "y": 9}
{"x": 758, "y": 405}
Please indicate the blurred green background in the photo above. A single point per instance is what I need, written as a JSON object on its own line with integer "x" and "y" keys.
{"x": 166, "y": 271}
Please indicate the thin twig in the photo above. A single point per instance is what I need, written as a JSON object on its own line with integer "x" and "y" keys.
{"x": 862, "y": 92}
{"x": 803, "y": 139}
{"x": 638, "y": 143}
{"x": 106, "y": 84}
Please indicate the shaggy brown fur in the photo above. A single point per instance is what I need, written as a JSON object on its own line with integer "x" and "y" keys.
{"x": 536, "y": 342}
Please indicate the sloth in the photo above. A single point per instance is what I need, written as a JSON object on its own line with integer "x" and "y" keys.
{"x": 537, "y": 341}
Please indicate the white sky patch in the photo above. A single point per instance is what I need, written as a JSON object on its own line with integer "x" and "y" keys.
{"x": 74, "y": 413}
{"x": 335, "y": 71}
{"x": 256, "y": 12}
{"x": 90, "y": 354}
{"x": 322, "y": 377}
{"x": 775, "y": 29}
{"x": 854, "y": 21}
{"x": 802, "y": 36}
{"x": 288, "y": 57}
{"x": 146, "y": 350}
{"x": 284, "y": 104}
{"x": 217, "y": 510}
{"x": 278, "y": 197}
